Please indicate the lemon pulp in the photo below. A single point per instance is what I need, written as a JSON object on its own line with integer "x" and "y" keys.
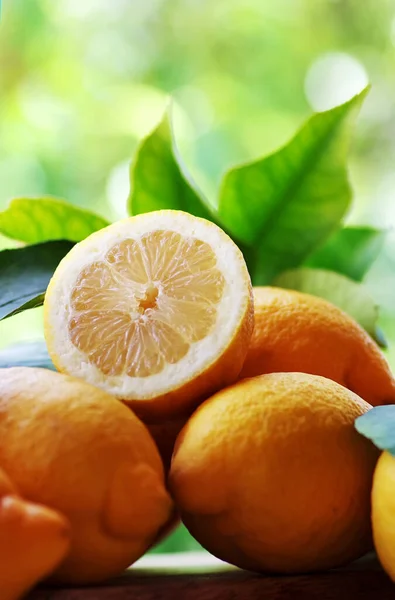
{"x": 145, "y": 304}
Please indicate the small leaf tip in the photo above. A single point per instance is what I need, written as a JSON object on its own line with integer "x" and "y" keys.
{"x": 378, "y": 425}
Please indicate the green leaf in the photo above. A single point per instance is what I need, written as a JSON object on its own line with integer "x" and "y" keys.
{"x": 378, "y": 425}
{"x": 350, "y": 251}
{"x": 159, "y": 180}
{"x": 379, "y": 337}
{"x": 348, "y": 295}
{"x": 283, "y": 206}
{"x": 25, "y": 274}
{"x": 35, "y": 220}
{"x": 32, "y": 353}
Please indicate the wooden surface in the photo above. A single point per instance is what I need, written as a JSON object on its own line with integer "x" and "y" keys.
{"x": 360, "y": 581}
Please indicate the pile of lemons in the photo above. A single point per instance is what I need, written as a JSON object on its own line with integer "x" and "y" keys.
{"x": 184, "y": 392}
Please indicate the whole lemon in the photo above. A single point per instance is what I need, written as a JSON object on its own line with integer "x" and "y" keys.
{"x": 78, "y": 450}
{"x": 383, "y": 512}
{"x": 298, "y": 332}
{"x": 33, "y": 541}
{"x": 270, "y": 474}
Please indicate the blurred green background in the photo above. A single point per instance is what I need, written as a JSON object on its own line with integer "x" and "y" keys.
{"x": 82, "y": 81}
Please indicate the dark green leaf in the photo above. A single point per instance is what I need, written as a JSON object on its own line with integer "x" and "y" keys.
{"x": 25, "y": 274}
{"x": 35, "y": 220}
{"x": 350, "y": 251}
{"x": 283, "y": 206}
{"x": 160, "y": 181}
{"x": 26, "y": 354}
{"x": 348, "y": 295}
{"x": 378, "y": 425}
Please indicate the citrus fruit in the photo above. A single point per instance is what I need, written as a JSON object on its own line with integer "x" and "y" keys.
{"x": 76, "y": 449}
{"x": 165, "y": 433}
{"x": 155, "y": 309}
{"x": 33, "y": 541}
{"x": 6, "y": 487}
{"x": 299, "y": 332}
{"x": 270, "y": 474}
{"x": 383, "y": 512}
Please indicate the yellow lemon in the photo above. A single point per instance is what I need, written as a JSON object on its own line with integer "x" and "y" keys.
{"x": 299, "y": 332}
{"x": 155, "y": 309}
{"x": 76, "y": 449}
{"x": 271, "y": 475}
{"x": 383, "y": 512}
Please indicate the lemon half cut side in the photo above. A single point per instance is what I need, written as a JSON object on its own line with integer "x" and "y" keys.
{"x": 155, "y": 309}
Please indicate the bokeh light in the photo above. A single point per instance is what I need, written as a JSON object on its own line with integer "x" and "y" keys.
{"x": 333, "y": 79}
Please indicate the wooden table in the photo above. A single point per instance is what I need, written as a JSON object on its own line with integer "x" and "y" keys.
{"x": 362, "y": 580}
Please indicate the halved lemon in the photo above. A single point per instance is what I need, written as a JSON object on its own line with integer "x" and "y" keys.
{"x": 156, "y": 309}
